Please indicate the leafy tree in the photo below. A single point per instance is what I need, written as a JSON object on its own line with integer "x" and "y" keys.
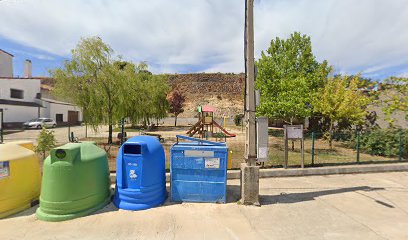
{"x": 91, "y": 81}
{"x": 107, "y": 88}
{"x": 288, "y": 78}
{"x": 176, "y": 101}
{"x": 341, "y": 99}
{"x": 46, "y": 141}
{"x": 146, "y": 99}
{"x": 396, "y": 97}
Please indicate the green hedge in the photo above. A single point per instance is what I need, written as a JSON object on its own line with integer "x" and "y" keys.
{"x": 383, "y": 142}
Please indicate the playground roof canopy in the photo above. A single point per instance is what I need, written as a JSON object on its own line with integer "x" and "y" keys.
{"x": 206, "y": 108}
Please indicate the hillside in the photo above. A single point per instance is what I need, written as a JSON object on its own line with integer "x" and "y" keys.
{"x": 223, "y": 91}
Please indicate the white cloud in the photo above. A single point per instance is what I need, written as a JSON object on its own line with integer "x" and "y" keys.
{"x": 404, "y": 75}
{"x": 207, "y": 35}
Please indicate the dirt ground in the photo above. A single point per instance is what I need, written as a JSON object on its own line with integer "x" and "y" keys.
{"x": 325, "y": 155}
{"x": 362, "y": 206}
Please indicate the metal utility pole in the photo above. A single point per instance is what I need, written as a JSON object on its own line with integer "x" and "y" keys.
{"x": 249, "y": 170}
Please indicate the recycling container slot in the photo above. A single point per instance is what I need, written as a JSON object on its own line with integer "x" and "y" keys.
{"x": 132, "y": 149}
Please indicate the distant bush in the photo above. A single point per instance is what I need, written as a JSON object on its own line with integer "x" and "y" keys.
{"x": 276, "y": 132}
{"x": 238, "y": 119}
{"x": 383, "y": 142}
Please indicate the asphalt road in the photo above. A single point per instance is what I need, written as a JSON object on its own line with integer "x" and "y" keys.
{"x": 361, "y": 206}
{"x": 61, "y": 134}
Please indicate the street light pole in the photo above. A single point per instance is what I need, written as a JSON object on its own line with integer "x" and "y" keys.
{"x": 249, "y": 170}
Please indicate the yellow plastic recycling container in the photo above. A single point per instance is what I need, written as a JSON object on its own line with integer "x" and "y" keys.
{"x": 20, "y": 177}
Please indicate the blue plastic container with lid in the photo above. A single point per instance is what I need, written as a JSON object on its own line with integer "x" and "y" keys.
{"x": 198, "y": 171}
{"x": 140, "y": 174}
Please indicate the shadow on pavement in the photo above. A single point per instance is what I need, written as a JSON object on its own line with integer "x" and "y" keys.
{"x": 309, "y": 196}
{"x": 233, "y": 193}
{"x": 28, "y": 212}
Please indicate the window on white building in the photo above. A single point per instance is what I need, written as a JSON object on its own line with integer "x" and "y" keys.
{"x": 16, "y": 93}
{"x": 59, "y": 118}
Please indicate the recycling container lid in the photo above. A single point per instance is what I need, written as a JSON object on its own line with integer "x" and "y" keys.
{"x": 10, "y": 152}
{"x": 197, "y": 141}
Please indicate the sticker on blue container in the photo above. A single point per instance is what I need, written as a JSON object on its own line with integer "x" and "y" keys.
{"x": 4, "y": 169}
{"x": 132, "y": 174}
{"x": 212, "y": 163}
{"x": 198, "y": 153}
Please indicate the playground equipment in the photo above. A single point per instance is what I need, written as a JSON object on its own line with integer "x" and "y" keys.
{"x": 141, "y": 174}
{"x": 206, "y": 123}
{"x": 20, "y": 177}
{"x": 75, "y": 182}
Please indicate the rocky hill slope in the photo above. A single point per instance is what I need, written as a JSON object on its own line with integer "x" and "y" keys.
{"x": 223, "y": 91}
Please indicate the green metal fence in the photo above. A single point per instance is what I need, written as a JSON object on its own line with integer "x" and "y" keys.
{"x": 357, "y": 147}
{"x": 348, "y": 147}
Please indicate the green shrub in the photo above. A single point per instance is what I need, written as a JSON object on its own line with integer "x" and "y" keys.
{"x": 276, "y": 132}
{"x": 238, "y": 119}
{"x": 46, "y": 141}
{"x": 383, "y": 142}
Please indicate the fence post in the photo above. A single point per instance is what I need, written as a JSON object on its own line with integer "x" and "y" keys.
{"x": 400, "y": 147}
{"x": 313, "y": 144}
{"x": 358, "y": 147}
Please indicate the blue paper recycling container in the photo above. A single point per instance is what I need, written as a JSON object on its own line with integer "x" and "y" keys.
{"x": 140, "y": 174}
{"x": 198, "y": 171}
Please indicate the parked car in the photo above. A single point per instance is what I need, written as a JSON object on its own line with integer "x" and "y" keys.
{"x": 40, "y": 123}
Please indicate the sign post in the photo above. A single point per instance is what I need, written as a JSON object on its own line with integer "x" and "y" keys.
{"x": 294, "y": 132}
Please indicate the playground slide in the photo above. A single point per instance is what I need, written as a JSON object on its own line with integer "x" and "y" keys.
{"x": 223, "y": 130}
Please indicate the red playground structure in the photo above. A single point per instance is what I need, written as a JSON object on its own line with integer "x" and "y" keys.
{"x": 206, "y": 123}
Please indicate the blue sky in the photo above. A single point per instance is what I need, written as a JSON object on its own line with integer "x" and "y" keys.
{"x": 182, "y": 36}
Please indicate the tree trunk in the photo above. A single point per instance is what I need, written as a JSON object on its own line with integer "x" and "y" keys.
{"x": 175, "y": 120}
{"x": 110, "y": 134}
{"x": 331, "y": 135}
{"x": 110, "y": 127}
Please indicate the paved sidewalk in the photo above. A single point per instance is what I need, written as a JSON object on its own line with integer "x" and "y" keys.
{"x": 360, "y": 206}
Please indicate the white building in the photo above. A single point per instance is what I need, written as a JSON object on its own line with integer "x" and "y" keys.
{"x": 61, "y": 112}
{"x": 6, "y": 64}
{"x": 21, "y": 98}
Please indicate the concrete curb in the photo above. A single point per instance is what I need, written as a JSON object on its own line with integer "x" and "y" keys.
{"x": 299, "y": 172}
